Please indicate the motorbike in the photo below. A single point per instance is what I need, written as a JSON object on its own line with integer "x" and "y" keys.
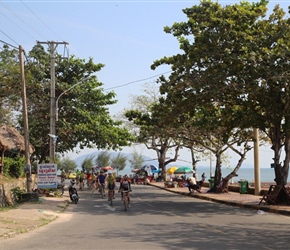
{"x": 198, "y": 185}
{"x": 73, "y": 194}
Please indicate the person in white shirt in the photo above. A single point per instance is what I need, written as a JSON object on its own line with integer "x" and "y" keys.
{"x": 192, "y": 183}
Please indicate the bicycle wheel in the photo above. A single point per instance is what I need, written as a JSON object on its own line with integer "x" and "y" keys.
{"x": 110, "y": 195}
{"x": 102, "y": 192}
{"x": 126, "y": 202}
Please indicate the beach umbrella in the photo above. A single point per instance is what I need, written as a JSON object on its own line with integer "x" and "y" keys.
{"x": 152, "y": 167}
{"x": 136, "y": 170}
{"x": 171, "y": 170}
{"x": 183, "y": 170}
{"x": 107, "y": 168}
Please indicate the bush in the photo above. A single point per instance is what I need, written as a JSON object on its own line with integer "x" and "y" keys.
{"x": 17, "y": 194}
{"x": 14, "y": 167}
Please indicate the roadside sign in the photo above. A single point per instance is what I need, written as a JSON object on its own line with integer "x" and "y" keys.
{"x": 46, "y": 175}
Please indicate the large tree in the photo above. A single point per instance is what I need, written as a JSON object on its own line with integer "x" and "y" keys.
{"x": 151, "y": 129}
{"x": 234, "y": 56}
{"x": 83, "y": 116}
{"x": 10, "y": 85}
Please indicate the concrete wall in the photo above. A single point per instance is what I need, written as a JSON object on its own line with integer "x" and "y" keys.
{"x": 6, "y": 184}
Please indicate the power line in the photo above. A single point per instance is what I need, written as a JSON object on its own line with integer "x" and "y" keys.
{"x": 8, "y": 44}
{"x": 23, "y": 21}
{"x": 17, "y": 26}
{"x": 141, "y": 80}
{"x": 9, "y": 38}
{"x": 39, "y": 18}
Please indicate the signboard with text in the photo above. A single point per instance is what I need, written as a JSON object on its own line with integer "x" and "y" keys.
{"x": 46, "y": 175}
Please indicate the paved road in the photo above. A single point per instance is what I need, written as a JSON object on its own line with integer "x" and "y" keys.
{"x": 156, "y": 220}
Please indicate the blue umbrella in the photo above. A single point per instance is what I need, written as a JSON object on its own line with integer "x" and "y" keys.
{"x": 153, "y": 168}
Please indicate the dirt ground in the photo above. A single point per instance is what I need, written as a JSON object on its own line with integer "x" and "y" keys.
{"x": 30, "y": 215}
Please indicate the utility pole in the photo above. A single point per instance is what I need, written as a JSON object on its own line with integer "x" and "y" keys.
{"x": 27, "y": 168}
{"x": 52, "y": 45}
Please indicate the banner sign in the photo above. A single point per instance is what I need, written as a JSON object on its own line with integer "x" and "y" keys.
{"x": 46, "y": 175}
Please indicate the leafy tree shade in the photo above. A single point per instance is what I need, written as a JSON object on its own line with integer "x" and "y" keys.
{"x": 237, "y": 58}
{"x": 10, "y": 86}
{"x": 83, "y": 111}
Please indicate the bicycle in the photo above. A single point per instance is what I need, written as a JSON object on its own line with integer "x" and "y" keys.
{"x": 102, "y": 190}
{"x": 81, "y": 185}
{"x": 111, "y": 196}
{"x": 62, "y": 179}
{"x": 125, "y": 194}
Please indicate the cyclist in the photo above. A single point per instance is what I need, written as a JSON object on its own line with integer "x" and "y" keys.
{"x": 62, "y": 175}
{"x": 95, "y": 184}
{"x": 82, "y": 178}
{"x": 125, "y": 185}
{"x": 78, "y": 178}
{"x": 101, "y": 179}
{"x": 111, "y": 184}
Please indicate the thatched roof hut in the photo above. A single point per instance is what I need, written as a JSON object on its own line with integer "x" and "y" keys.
{"x": 11, "y": 139}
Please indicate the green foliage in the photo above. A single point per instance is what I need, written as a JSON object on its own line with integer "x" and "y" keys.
{"x": 137, "y": 160}
{"x": 17, "y": 194}
{"x": 9, "y": 84}
{"x": 119, "y": 162}
{"x": 88, "y": 164}
{"x": 103, "y": 159}
{"x": 214, "y": 84}
{"x": 83, "y": 113}
{"x": 67, "y": 165}
{"x": 14, "y": 167}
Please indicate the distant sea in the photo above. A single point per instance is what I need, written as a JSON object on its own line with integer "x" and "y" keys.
{"x": 266, "y": 174}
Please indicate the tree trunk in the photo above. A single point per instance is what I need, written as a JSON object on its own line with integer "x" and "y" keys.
{"x": 2, "y": 162}
{"x": 218, "y": 172}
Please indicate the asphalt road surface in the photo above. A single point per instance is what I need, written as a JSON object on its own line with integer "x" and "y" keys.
{"x": 157, "y": 220}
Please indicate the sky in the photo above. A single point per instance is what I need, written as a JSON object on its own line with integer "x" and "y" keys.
{"x": 126, "y": 36}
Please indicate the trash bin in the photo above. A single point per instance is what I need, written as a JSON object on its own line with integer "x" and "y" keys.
{"x": 211, "y": 182}
{"x": 243, "y": 186}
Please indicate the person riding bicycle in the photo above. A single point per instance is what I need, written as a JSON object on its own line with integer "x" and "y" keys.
{"x": 101, "y": 179}
{"x": 125, "y": 185}
{"x": 111, "y": 184}
{"x": 62, "y": 175}
{"x": 82, "y": 178}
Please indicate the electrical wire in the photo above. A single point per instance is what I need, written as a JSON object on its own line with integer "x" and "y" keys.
{"x": 141, "y": 80}
{"x": 10, "y": 39}
{"x": 22, "y": 20}
{"x": 40, "y": 19}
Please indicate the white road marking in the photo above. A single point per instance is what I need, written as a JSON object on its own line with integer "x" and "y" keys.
{"x": 109, "y": 207}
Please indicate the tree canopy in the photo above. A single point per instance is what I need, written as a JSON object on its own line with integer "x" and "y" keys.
{"x": 83, "y": 116}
